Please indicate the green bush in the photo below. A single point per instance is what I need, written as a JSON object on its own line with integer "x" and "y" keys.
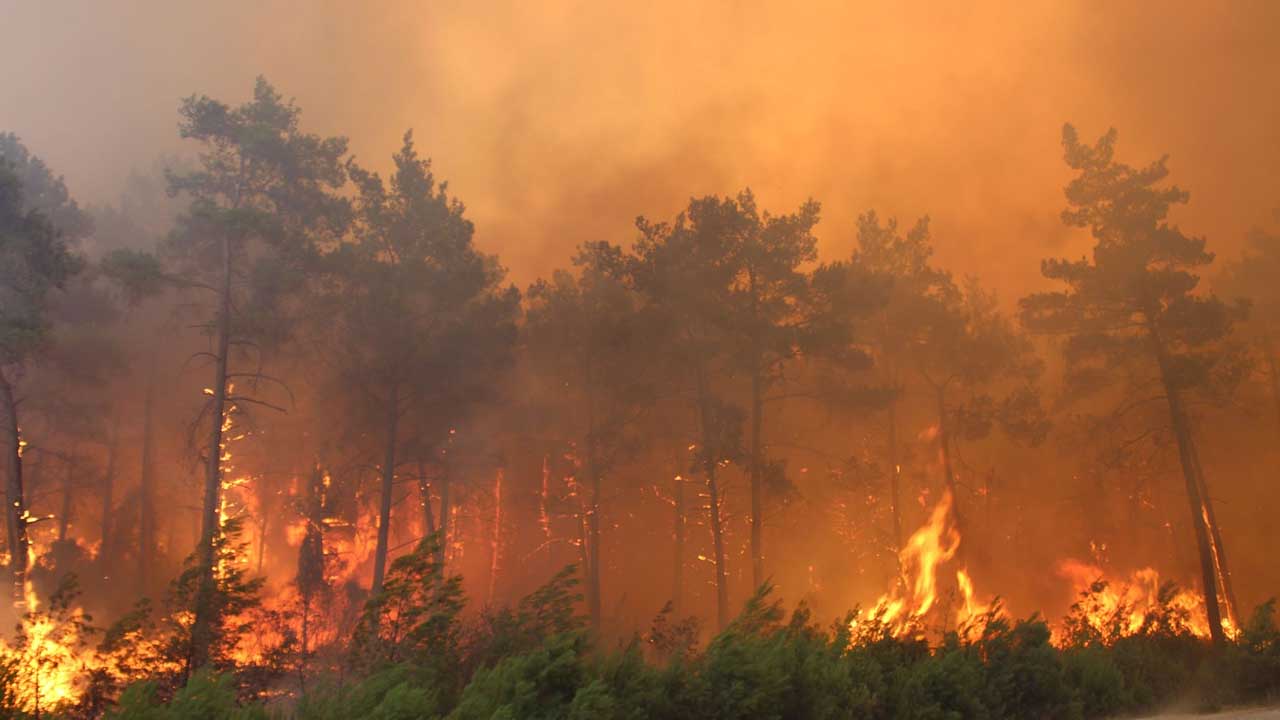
{"x": 204, "y": 697}
{"x": 536, "y": 662}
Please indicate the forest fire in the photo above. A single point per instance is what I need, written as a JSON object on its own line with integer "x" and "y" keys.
{"x": 906, "y": 607}
{"x": 1119, "y": 606}
{"x": 49, "y": 660}
{"x": 544, "y": 411}
{"x": 1110, "y": 607}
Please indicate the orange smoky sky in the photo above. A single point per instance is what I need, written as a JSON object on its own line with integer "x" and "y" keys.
{"x": 558, "y": 123}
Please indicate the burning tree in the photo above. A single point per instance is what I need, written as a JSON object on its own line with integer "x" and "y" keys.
{"x": 902, "y": 263}
{"x": 589, "y": 338}
{"x": 421, "y": 319}
{"x": 260, "y": 203}
{"x": 765, "y": 298}
{"x": 35, "y": 258}
{"x": 981, "y": 371}
{"x": 685, "y": 270}
{"x": 1133, "y": 307}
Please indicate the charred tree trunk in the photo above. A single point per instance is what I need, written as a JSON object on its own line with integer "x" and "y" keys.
{"x": 311, "y": 576}
{"x": 146, "y": 490}
{"x": 1216, "y": 544}
{"x": 424, "y": 497}
{"x": 1273, "y": 371}
{"x": 710, "y": 454}
{"x": 388, "y": 479}
{"x": 202, "y": 626}
{"x": 583, "y": 559}
{"x": 107, "y": 553}
{"x": 15, "y": 499}
{"x": 756, "y": 471}
{"x": 895, "y": 484}
{"x": 64, "y": 518}
{"x": 677, "y": 576}
{"x": 1195, "y": 499}
{"x": 593, "y": 551}
{"x": 717, "y": 537}
{"x": 756, "y": 458}
{"x": 446, "y": 511}
{"x": 495, "y": 543}
{"x": 263, "y": 526}
{"x": 948, "y": 470}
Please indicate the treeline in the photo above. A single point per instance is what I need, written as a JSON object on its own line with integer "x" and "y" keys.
{"x": 360, "y": 356}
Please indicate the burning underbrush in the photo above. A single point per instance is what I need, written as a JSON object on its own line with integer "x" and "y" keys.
{"x": 935, "y": 593}
{"x": 1129, "y": 641}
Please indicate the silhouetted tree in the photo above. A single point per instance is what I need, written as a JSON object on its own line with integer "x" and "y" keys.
{"x": 261, "y": 200}
{"x": 422, "y": 320}
{"x": 765, "y": 297}
{"x": 899, "y": 266}
{"x": 685, "y": 270}
{"x": 1134, "y": 303}
{"x": 981, "y": 371}
{"x": 591, "y": 346}
{"x": 35, "y": 259}
{"x": 1254, "y": 278}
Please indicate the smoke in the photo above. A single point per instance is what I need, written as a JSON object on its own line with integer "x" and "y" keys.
{"x": 558, "y": 125}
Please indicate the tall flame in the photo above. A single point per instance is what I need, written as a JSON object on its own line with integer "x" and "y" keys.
{"x": 904, "y": 608}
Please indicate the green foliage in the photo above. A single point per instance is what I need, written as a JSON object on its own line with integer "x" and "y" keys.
{"x": 34, "y": 260}
{"x": 545, "y": 613}
{"x": 396, "y": 692}
{"x": 414, "y": 616}
{"x": 159, "y": 649}
{"x": 535, "y": 685}
{"x": 204, "y": 697}
{"x": 1138, "y": 291}
{"x": 534, "y": 661}
{"x": 138, "y": 274}
{"x": 42, "y": 191}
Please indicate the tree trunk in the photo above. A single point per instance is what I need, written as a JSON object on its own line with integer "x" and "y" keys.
{"x": 717, "y": 537}
{"x": 895, "y": 484}
{"x": 388, "y": 479}
{"x": 710, "y": 454}
{"x": 757, "y": 481}
{"x": 202, "y": 626}
{"x": 446, "y": 510}
{"x": 495, "y": 544}
{"x": 593, "y": 550}
{"x": 106, "y": 553}
{"x": 146, "y": 490}
{"x": 311, "y": 577}
{"x": 1274, "y": 372}
{"x": 584, "y": 560}
{"x": 677, "y": 576}
{"x": 15, "y": 500}
{"x": 944, "y": 442}
{"x": 64, "y": 518}
{"x": 424, "y": 497}
{"x": 263, "y": 527}
{"x": 1216, "y": 544}
{"x": 1195, "y": 501}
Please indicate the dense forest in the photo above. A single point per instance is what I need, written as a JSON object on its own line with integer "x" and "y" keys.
{"x": 279, "y": 438}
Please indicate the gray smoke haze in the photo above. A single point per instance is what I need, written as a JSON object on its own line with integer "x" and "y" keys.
{"x": 560, "y": 122}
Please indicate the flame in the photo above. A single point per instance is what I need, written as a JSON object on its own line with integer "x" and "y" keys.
{"x": 972, "y": 611}
{"x": 1123, "y": 606}
{"x": 904, "y": 609}
{"x": 50, "y": 656}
